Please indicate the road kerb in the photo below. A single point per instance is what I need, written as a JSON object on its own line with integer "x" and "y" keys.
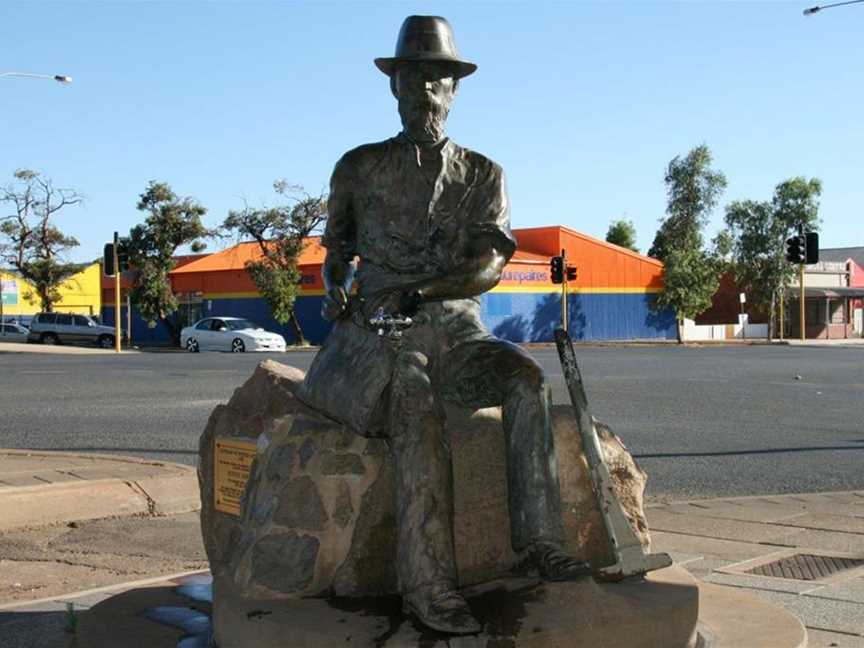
{"x": 171, "y": 494}
{"x": 164, "y": 489}
{"x": 32, "y": 506}
{"x": 116, "y": 588}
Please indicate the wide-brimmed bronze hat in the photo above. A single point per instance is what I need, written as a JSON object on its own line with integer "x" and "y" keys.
{"x": 426, "y": 38}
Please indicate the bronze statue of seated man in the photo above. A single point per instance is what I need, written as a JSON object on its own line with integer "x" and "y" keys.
{"x": 429, "y": 222}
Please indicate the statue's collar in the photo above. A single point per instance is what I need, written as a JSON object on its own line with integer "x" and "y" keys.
{"x": 425, "y": 149}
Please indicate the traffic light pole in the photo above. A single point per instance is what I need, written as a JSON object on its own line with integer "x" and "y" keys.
{"x": 564, "y": 292}
{"x": 782, "y": 313}
{"x": 117, "y": 340}
{"x": 801, "y": 281}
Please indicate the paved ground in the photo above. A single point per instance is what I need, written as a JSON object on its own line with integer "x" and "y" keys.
{"x": 716, "y": 540}
{"x": 719, "y": 541}
{"x": 751, "y": 407}
{"x": 703, "y": 421}
{"x": 57, "y": 349}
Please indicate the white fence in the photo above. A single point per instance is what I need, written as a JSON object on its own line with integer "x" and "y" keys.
{"x": 705, "y": 332}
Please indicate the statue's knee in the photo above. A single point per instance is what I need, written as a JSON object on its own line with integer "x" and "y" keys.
{"x": 411, "y": 370}
{"x": 529, "y": 380}
{"x": 411, "y": 385}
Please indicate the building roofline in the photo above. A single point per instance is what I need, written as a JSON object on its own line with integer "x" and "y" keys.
{"x": 612, "y": 246}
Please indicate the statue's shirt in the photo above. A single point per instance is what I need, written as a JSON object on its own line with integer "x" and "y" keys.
{"x": 406, "y": 222}
{"x": 408, "y": 214}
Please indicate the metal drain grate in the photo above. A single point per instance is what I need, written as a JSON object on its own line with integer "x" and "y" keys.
{"x": 806, "y": 567}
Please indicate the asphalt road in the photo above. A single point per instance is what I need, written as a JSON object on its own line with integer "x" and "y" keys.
{"x": 702, "y": 421}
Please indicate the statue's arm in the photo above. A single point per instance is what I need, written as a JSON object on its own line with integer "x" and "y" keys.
{"x": 481, "y": 271}
{"x": 340, "y": 238}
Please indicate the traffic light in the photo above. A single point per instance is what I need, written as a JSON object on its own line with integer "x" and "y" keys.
{"x": 811, "y": 247}
{"x": 571, "y": 273}
{"x": 122, "y": 257}
{"x": 796, "y": 249}
{"x": 556, "y": 268}
{"x": 123, "y": 254}
{"x": 108, "y": 259}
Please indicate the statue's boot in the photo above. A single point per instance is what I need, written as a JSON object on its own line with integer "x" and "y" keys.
{"x": 551, "y": 563}
{"x": 447, "y": 612}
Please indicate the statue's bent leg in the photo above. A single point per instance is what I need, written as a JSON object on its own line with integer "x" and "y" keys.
{"x": 532, "y": 465}
{"x": 496, "y": 372}
{"x": 423, "y": 481}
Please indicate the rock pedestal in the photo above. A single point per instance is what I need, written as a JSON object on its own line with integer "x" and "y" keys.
{"x": 317, "y": 514}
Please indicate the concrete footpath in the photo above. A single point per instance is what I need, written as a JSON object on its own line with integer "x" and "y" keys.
{"x": 81, "y": 528}
{"x": 57, "y": 349}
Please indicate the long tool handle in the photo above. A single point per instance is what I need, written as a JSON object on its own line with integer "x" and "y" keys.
{"x": 630, "y": 558}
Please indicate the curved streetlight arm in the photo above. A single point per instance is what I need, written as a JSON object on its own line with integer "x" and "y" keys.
{"x": 812, "y": 10}
{"x": 60, "y": 78}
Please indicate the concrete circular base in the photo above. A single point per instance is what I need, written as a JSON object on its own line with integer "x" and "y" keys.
{"x": 661, "y": 611}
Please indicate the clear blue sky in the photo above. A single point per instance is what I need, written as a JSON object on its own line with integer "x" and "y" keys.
{"x": 583, "y": 104}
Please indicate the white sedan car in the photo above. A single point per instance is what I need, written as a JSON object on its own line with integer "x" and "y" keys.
{"x": 13, "y": 332}
{"x": 229, "y": 334}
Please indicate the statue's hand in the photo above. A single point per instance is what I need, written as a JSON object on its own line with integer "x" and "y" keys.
{"x": 335, "y": 304}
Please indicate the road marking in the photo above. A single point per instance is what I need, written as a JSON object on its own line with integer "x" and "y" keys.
{"x": 46, "y": 371}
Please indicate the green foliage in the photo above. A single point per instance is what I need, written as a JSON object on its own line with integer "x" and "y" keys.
{"x": 279, "y": 286}
{"x": 691, "y": 274}
{"x": 280, "y": 233}
{"x": 30, "y": 243}
{"x": 171, "y": 222}
{"x": 796, "y": 202}
{"x": 622, "y": 232}
{"x": 759, "y": 230}
{"x": 692, "y": 189}
{"x": 690, "y": 279}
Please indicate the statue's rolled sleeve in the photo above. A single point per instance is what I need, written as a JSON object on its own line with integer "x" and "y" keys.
{"x": 494, "y": 212}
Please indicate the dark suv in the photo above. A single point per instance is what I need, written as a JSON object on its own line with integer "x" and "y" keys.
{"x": 58, "y": 328}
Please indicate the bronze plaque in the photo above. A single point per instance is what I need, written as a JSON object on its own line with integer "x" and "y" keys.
{"x": 231, "y": 465}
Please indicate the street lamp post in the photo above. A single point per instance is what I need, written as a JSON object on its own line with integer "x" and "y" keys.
{"x": 812, "y": 10}
{"x": 59, "y": 78}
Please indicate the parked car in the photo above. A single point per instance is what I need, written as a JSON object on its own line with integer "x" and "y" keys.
{"x": 20, "y": 320}
{"x": 229, "y": 334}
{"x": 13, "y": 333}
{"x": 64, "y": 328}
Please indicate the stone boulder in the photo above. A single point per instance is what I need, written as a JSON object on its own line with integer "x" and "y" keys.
{"x": 317, "y": 513}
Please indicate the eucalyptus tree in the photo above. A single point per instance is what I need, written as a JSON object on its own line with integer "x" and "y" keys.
{"x": 759, "y": 230}
{"x": 691, "y": 273}
{"x": 622, "y": 233}
{"x": 170, "y": 223}
{"x": 281, "y": 234}
{"x": 30, "y": 242}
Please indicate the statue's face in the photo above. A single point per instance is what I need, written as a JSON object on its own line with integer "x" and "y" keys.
{"x": 425, "y": 91}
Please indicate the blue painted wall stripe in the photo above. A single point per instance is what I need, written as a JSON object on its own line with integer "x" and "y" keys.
{"x": 518, "y": 317}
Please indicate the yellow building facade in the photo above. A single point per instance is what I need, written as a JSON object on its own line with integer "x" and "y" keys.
{"x": 81, "y": 293}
